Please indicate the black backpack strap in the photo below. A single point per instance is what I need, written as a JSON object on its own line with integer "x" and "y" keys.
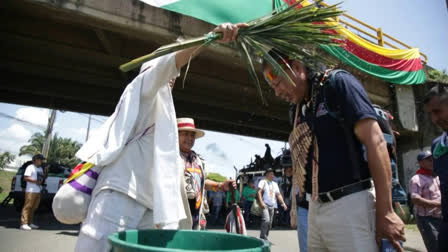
{"x": 335, "y": 111}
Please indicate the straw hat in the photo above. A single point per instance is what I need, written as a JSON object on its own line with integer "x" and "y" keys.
{"x": 187, "y": 124}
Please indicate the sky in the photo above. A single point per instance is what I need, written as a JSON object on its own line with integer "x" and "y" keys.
{"x": 422, "y": 24}
{"x": 221, "y": 151}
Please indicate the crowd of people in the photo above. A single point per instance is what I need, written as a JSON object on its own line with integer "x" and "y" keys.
{"x": 219, "y": 202}
{"x": 338, "y": 188}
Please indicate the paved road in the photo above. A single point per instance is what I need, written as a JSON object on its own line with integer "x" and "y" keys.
{"x": 52, "y": 236}
{"x": 55, "y": 237}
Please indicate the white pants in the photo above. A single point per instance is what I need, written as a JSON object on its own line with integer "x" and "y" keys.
{"x": 111, "y": 211}
{"x": 347, "y": 224}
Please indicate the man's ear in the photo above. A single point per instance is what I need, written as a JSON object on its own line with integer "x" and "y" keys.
{"x": 299, "y": 69}
{"x": 297, "y": 66}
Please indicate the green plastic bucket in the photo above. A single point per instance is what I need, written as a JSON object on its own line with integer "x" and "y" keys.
{"x": 183, "y": 241}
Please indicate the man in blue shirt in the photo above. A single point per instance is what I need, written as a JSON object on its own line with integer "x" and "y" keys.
{"x": 343, "y": 213}
{"x": 436, "y": 104}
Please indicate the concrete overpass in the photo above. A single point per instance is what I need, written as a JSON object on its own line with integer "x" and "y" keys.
{"x": 65, "y": 54}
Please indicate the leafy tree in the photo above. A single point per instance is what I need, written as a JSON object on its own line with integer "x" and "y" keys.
{"x": 5, "y": 159}
{"x": 62, "y": 150}
{"x": 216, "y": 177}
{"x": 438, "y": 76}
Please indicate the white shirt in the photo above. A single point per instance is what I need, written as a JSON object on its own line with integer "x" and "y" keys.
{"x": 35, "y": 173}
{"x": 138, "y": 145}
{"x": 269, "y": 190}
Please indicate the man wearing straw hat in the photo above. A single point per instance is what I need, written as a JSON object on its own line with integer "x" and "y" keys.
{"x": 140, "y": 173}
{"x": 195, "y": 174}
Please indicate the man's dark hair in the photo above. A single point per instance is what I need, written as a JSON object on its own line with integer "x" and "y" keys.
{"x": 268, "y": 171}
{"x": 38, "y": 157}
{"x": 439, "y": 91}
{"x": 310, "y": 65}
{"x": 311, "y": 73}
{"x": 277, "y": 56}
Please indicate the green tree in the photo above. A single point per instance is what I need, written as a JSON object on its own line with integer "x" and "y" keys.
{"x": 5, "y": 159}
{"x": 62, "y": 150}
{"x": 216, "y": 177}
{"x": 438, "y": 76}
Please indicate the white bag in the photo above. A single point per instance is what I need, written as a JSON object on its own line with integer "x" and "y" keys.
{"x": 231, "y": 226}
{"x": 72, "y": 200}
{"x": 255, "y": 209}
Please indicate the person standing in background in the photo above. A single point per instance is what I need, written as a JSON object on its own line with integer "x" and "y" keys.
{"x": 34, "y": 176}
{"x": 217, "y": 199}
{"x": 267, "y": 196}
{"x": 286, "y": 188}
{"x": 249, "y": 193}
{"x": 195, "y": 173}
{"x": 424, "y": 187}
{"x": 436, "y": 104}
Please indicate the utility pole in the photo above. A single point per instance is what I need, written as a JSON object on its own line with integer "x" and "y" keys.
{"x": 88, "y": 128}
{"x": 51, "y": 120}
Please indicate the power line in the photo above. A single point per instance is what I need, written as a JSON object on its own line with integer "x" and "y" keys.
{"x": 93, "y": 118}
{"x": 22, "y": 121}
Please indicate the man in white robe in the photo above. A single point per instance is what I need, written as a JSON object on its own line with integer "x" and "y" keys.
{"x": 140, "y": 185}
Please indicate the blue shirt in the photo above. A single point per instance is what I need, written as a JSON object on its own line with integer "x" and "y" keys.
{"x": 335, "y": 165}
{"x": 440, "y": 167}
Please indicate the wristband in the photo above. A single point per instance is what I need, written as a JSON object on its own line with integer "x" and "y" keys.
{"x": 215, "y": 187}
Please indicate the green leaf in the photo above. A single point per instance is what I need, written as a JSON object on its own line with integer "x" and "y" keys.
{"x": 287, "y": 29}
{"x": 276, "y": 67}
{"x": 252, "y": 71}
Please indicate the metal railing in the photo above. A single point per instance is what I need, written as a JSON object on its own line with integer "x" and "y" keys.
{"x": 379, "y": 37}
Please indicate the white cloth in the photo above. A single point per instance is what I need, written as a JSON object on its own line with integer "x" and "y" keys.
{"x": 138, "y": 144}
{"x": 35, "y": 173}
{"x": 270, "y": 189}
{"x": 111, "y": 212}
{"x": 230, "y": 225}
{"x": 347, "y": 224}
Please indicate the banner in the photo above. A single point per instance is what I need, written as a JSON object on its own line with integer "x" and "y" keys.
{"x": 391, "y": 65}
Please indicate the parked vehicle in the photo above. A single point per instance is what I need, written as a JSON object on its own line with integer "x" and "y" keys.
{"x": 55, "y": 178}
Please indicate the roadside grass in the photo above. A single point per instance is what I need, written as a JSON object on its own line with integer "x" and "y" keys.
{"x": 408, "y": 218}
{"x": 5, "y": 184}
{"x": 412, "y": 227}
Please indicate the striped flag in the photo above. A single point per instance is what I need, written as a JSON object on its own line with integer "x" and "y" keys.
{"x": 391, "y": 65}
{"x": 217, "y": 12}
{"x": 396, "y": 66}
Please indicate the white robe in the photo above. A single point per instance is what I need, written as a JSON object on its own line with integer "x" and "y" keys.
{"x": 138, "y": 144}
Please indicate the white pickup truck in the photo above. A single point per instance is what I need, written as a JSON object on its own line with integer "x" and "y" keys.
{"x": 56, "y": 176}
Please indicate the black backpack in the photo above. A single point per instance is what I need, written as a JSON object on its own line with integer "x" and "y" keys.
{"x": 22, "y": 179}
